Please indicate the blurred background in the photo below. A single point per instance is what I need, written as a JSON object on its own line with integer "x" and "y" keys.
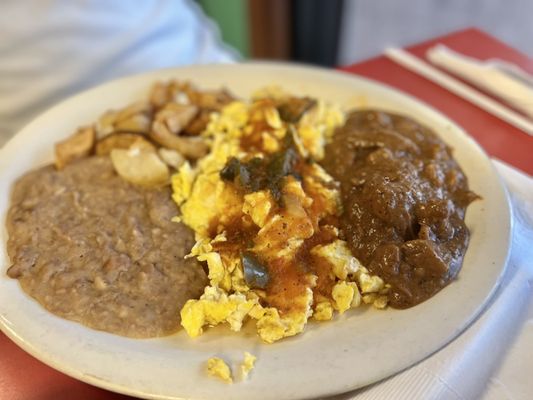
{"x": 52, "y": 49}
{"x": 340, "y": 32}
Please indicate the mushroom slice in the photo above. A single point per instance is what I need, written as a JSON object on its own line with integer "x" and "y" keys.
{"x": 177, "y": 116}
{"x": 140, "y": 167}
{"x": 191, "y": 147}
{"x": 122, "y": 141}
{"x": 159, "y": 94}
{"x": 198, "y": 124}
{"x": 171, "y": 157}
{"x": 166, "y": 92}
{"x": 137, "y": 123}
{"x": 186, "y": 93}
{"x": 105, "y": 124}
{"x": 293, "y": 108}
{"x": 137, "y": 118}
{"x": 209, "y": 99}
{"x": 77, "y": 146}
{"x": 139, "y": 107}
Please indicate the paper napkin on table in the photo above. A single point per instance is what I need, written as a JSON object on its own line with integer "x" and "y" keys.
{"x": 491, "y": 359}
{"x": 506, "y": 81}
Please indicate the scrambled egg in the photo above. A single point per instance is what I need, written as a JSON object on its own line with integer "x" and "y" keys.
{"x": 309, "y": 271}
{"x": 248, "y": 364}
{"x": 217, "y": 367}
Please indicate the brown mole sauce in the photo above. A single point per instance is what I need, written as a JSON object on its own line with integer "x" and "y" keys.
{"x": 404, "y": 199}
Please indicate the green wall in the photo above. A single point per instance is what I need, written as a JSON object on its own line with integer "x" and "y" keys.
{"x": 232, "y": 18}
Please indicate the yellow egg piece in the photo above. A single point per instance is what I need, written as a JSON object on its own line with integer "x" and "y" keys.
{"x": 248, "y": 364}
{"x": 218, "y": 368}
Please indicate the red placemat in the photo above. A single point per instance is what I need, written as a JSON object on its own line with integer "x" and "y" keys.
{"x": 498, "y": 138}
{"x": 22, "y": 377}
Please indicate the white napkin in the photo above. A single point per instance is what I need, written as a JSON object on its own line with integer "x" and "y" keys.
{"x": 502, "y": 79}
{"x": 492, "y": 359}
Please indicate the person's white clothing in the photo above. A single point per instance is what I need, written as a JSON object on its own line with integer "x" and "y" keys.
{"x": 51, "y": 49}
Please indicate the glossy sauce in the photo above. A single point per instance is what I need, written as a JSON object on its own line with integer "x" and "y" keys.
{"x": 404, "y": 199}
{"x": 289, "y": 277}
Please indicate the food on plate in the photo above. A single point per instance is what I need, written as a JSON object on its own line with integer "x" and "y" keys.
{"x": 95, "y": 249}
{"x": 77, "y": 146}
{"x": 122, "y": 141}
{"x": 247, "y": 364}
{"x": 101, "y": 250}
{"x": 165, "y": 129}
{"x": 140, "y": 167}
{"x": 404, "y": 198}
{"x": 218, "y": 368}
{"x": 265, "y": 215}
{"x": 295, "y": 208}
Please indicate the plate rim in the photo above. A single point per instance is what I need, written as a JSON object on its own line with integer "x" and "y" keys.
{"x": 96, "y": 381}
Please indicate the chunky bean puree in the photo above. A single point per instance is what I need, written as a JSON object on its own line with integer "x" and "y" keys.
{"x": 92, "y": 248}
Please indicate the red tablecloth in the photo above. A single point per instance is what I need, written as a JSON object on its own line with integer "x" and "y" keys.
{"x": 23, "y": 377}
{"x": 498, "y": 138}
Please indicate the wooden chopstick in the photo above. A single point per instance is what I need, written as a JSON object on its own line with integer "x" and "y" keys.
{"x": 424, "y": 69}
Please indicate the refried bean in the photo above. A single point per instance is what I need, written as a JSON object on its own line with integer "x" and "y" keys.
{"x": 404, "y": 200}
{"x": 95, "y": 249}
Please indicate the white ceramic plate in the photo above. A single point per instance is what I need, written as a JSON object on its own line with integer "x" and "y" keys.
{"x": 359, "y": 348}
